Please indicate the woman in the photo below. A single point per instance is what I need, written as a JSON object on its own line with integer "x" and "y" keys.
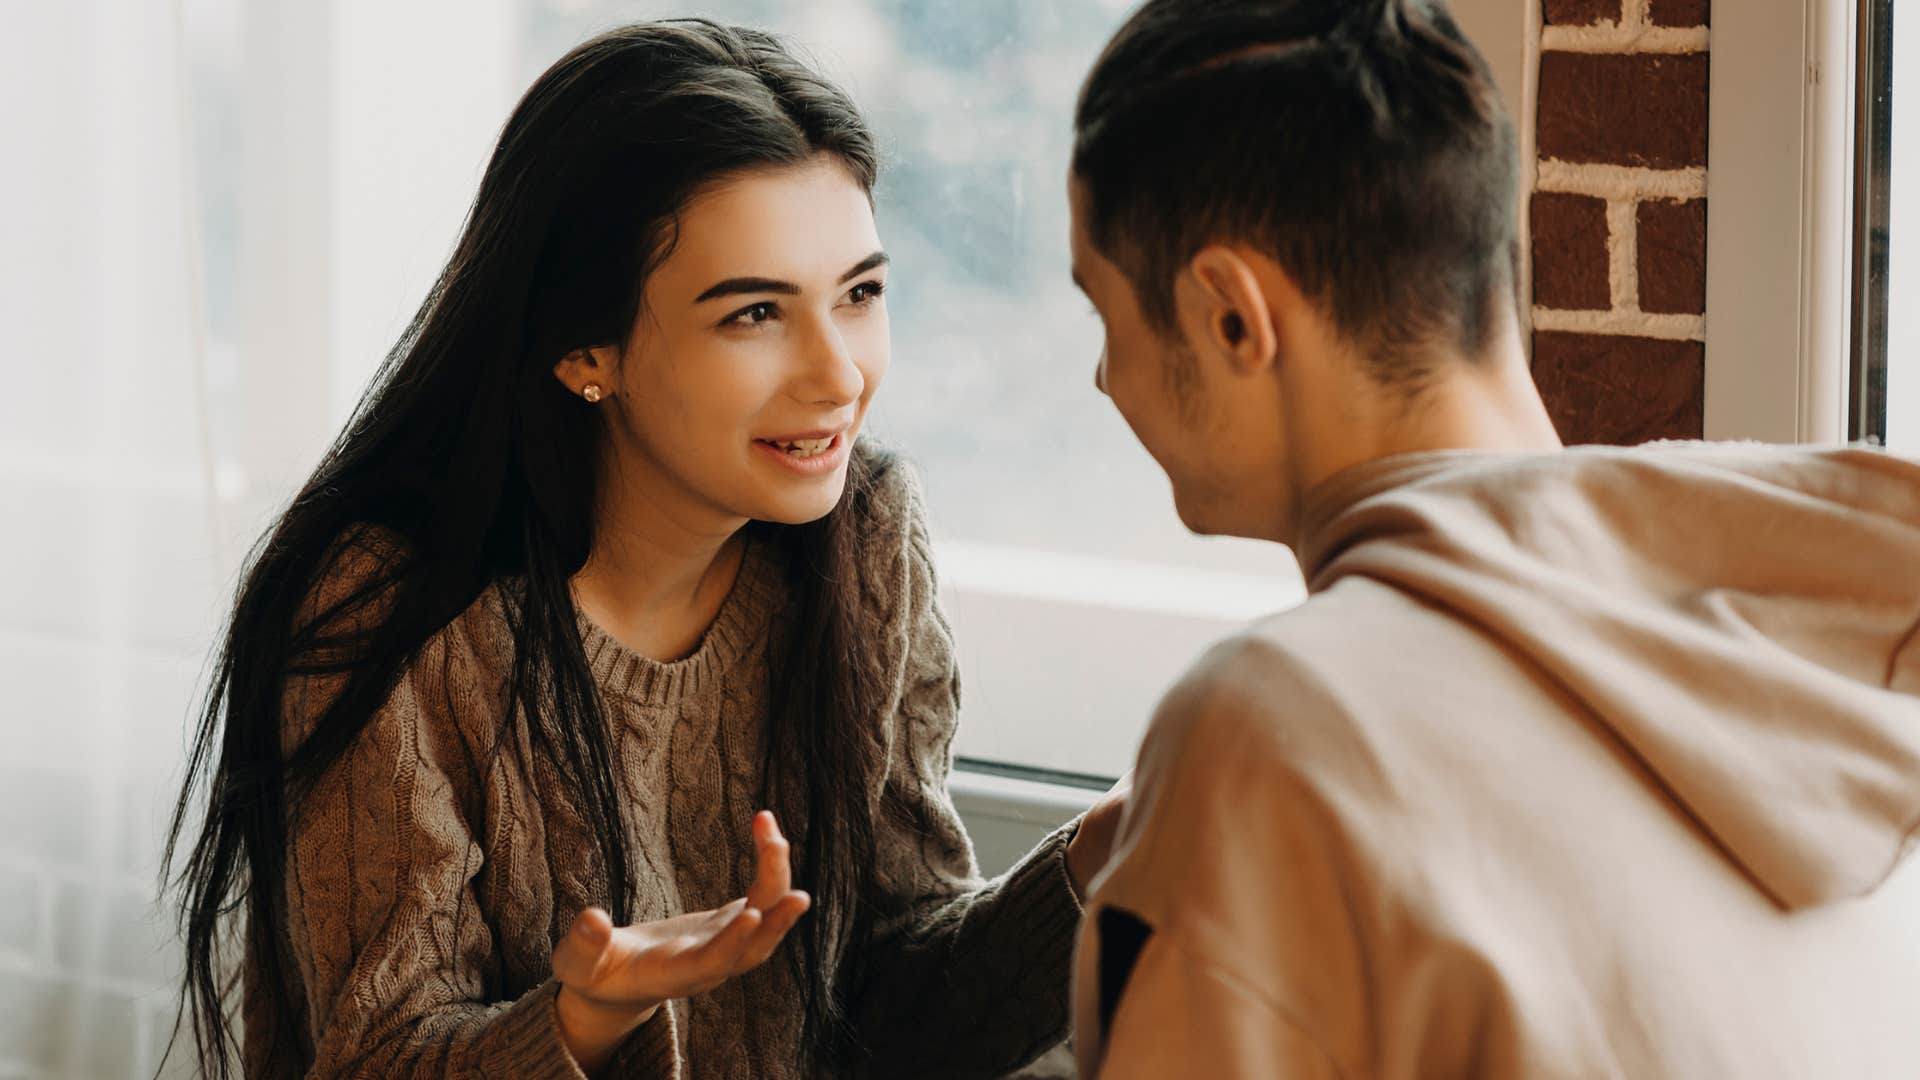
{"x": 600, "y": 565}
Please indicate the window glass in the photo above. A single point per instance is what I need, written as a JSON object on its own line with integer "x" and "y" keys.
{"x": 1886, "y": 397}
{"x": 1076, "y": 594}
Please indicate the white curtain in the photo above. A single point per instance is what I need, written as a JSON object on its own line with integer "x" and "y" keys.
{"x": 216, "y": 216}
{"x": 112, "y": 556}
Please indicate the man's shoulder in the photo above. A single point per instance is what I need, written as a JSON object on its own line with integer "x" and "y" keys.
{"x": 1262, "y": 742}
{"x": 1350, "y": 624}
{"x": 1283, "y": 663}
{"x": 1301, "y": 690}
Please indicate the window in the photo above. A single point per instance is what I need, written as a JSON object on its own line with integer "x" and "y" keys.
{"x": 339, "y": 145}
{"x": 1076, "y": 595}
{"x": 1885, "y": 399}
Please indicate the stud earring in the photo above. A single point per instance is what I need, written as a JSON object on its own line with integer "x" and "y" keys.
{"x": 592, "y": 393}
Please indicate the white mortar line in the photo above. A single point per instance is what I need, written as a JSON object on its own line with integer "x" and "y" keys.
{"x": 1623, "y": 256}
{"x": 1622, "y": 324}
{"x": 1625, "y": 38}
{"x": 1621, "y": 181}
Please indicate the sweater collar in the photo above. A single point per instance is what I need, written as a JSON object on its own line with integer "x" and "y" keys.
{"x": 745, "y": 616}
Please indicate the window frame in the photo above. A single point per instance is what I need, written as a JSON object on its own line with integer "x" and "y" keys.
{"x": 1780, "y": 226}
{"x": 1870, "y": 205}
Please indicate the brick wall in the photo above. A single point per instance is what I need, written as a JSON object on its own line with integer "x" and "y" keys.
{"x": 1619, "y": 218}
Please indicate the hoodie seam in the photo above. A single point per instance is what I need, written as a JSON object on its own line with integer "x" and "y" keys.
{"x": 1899, "y": 856}
{"x": 1893, "y": 658}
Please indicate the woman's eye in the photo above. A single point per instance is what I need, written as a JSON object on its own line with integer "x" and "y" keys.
{"x": 866, "y": 292}
{"x": 753, "y": 316}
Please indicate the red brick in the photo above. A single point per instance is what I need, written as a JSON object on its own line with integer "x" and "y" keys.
{"x": 1579, "y": 12}
{"x": 1673, "y": 257}
{"x": 1681, "y": 12}
{"x": 1621, "y": 390}
{"x": 1624, "y": 110}
{"x": 1570, "y": 252}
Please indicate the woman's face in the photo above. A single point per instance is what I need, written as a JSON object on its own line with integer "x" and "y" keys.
{"x": 761, "y": 339}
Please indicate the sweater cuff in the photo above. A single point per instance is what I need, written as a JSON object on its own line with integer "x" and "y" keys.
{"x": 653, "y": 1050}
{"x": 527, "y": 1039}
{"x": 1041, "y": 891}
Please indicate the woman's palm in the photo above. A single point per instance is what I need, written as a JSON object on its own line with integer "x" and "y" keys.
{"x": 638, "y": 967}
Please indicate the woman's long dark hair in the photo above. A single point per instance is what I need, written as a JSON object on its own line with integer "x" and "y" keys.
{"x": 469, "y": 452}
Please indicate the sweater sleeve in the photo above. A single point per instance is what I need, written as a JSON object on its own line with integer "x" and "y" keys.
{"x": 964, "y": 978}
{"x": 383, "y": 929}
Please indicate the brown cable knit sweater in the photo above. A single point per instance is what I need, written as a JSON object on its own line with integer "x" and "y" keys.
{"x": 972, "y": 982}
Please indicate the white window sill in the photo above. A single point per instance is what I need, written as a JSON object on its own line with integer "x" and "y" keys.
{"x": 1006, "y": 816}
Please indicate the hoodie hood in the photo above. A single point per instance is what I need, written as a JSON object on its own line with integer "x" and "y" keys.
{"x": 1742, "y": 617}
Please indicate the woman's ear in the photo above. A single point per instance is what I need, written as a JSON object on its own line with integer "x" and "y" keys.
{"x": 587, "y": 373}
{"x": 1229, "y": 314}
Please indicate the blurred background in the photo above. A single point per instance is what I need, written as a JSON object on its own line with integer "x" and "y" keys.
{"x": 218, "y": 215}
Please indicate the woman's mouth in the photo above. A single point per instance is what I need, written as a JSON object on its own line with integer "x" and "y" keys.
{"x": 811, "y": 455}
{"x": 805, "y": 448}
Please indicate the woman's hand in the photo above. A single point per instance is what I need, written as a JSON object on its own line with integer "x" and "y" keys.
{"x": 613, "y": 978}
{"x": 1092, "y": 843}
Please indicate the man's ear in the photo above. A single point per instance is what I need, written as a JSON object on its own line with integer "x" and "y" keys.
{"x": 1224, "y": 310}
{"x": 583, "y": 368}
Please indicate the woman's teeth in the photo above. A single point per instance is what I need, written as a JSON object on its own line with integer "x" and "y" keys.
{"x": 806, "y": 448}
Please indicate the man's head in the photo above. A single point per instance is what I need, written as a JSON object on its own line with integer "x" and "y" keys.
{"x": 1297, "y": 219}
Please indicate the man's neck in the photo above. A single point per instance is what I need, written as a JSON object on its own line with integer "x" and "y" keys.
{"x": 1489, "y": 404}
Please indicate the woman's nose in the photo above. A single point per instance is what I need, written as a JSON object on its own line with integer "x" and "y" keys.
{"x": 832, "y": 376}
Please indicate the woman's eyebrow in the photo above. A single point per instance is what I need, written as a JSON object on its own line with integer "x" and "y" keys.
{"x": 739, "y": 285}
{"x": 743, "y": 285}
{"x": 872, "y": 262}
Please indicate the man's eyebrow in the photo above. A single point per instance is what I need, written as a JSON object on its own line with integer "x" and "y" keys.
{"x": 744, "y": 285}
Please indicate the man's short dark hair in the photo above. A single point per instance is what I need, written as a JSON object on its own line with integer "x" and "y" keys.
{"x": 1360, "y": 143}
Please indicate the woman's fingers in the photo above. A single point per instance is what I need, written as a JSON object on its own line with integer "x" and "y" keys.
{"x": 689, "y": 953}
{"x": 680, "y": 957}
{"x": 718, "y": 957}
{"x": 788, "y": 910}
{"x": 774, "y": 927}
{"x": 773, "y": 876}
{"x": 577, "y": 959}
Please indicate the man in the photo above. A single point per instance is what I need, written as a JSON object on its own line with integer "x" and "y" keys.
{"x": 1575, "y": 763}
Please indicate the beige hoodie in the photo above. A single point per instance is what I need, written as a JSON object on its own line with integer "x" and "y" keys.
{"x": 1600, "y": 763}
